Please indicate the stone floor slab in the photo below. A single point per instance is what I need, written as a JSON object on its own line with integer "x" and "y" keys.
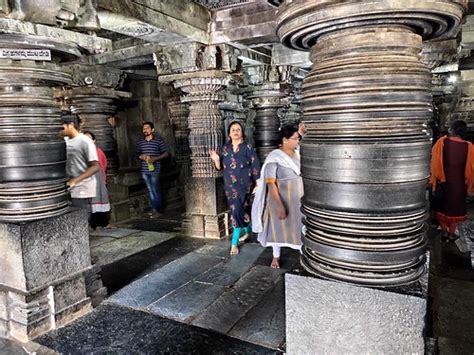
{"x": 233, "y": 268}
{"x": 454, "y": 317}
{"x": 124, "y": 271}
{"x": 449, "y": 346}
{"x": 187, "y": 302}
{"x": 108, "y": 253}
{"x": 12, "y": 347}
{"x": 96, "y": 241}
{"x": 111, "y": 329}
{"x": 218, "y": 248}
{"x": 264, "y": 324}
{"x": 152, "y": 287}
{"x": 232, "y": 305}
{"x": 113, "y": 232}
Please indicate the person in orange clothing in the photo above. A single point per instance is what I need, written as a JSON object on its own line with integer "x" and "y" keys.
{"x": 452, "y": 172}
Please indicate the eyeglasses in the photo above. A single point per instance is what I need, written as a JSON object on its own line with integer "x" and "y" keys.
{"x": 295, "y": 138}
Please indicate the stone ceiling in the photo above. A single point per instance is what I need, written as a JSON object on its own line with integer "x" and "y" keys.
{"x": 215, "y": 4}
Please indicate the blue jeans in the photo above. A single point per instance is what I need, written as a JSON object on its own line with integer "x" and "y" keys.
{"x": 152, "y": 181}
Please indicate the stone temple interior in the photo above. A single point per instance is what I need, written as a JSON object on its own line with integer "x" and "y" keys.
{"x": 375, "y": 84}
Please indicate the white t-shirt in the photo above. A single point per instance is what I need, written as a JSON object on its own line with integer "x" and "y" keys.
{"x": 80, "y": 151}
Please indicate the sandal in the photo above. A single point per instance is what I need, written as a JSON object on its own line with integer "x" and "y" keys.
{"x": 244, "y": 238}
{"x": 234, "y": 250}
{"x": 275, "y": 263}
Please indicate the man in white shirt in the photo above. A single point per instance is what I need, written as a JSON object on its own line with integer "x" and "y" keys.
{"x": 81, "y": 165}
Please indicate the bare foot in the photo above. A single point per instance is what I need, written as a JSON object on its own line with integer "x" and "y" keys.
{"x": 234, "y": 250}
{"x": 244, "y": 238}
{"x": 275, "y": 263}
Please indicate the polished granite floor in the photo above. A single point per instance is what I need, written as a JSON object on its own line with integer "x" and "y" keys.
{"x": 164, "y": 287}
{"x": 171, "y": 294}
{"x": 114, "y": 329}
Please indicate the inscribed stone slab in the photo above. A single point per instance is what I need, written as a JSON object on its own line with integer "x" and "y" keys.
{"x": 232, "y": 305}
{"x": 264, "y": 324}
{"x": 152, "y": 287}
{"x": 335, "y": 318}
{"x": 185, "y": 303}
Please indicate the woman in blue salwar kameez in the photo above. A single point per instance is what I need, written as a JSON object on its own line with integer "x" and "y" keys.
{"x": 241, "y": 170}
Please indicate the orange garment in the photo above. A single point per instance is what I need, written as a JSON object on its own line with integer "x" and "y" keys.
{"x": 437, "y": 169}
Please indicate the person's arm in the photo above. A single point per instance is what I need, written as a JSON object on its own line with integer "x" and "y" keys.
{"x": 93, "y": 167}
{"x": 215, "y": 159}
{"x": 275, "y": 195}
{"x": 162, "y": 152}
{"x": 271, "y": 181}
{"x": 159, "y": 157}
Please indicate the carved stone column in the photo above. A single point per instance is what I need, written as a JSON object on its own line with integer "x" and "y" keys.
{"x": 178, "y": 114}
{"x": 94, "y": 98}
{"x": 200, "y": 72}
{"x": 206, "y": 216}
{"x": 365, "y": 158}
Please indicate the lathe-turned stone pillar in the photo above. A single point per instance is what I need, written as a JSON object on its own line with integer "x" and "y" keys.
{"x": 269, "y": 94}
{"x": 93, "y": 97}
{"x": 45, "y": 264}
{"x": 365, "y": 157}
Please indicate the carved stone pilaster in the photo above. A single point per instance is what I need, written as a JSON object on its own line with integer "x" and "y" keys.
{"x": 178, "y": 114}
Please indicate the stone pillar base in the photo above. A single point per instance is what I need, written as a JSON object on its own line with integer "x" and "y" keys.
{"x": 329, "y": 317}
{"x": 42, "y": 282}
{"x": 206, "y": 209}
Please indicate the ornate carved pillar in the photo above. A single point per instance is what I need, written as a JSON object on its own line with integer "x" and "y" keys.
{"x": 178, "y": 114}
{"x": 94, "y": 97}
{"x": 44, "y": 249}
{"x": 365, "y": 158}
{"x": 201, "y": 79}
{"x": 269, "y": 94}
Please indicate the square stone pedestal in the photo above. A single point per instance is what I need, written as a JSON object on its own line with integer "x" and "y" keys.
{"x": 326, "y": 317}
{"x": 42, "y": 268}
{"x": 206, "y": 214}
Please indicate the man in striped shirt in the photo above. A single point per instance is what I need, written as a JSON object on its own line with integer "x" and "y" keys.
{"x": 151, "y": 150}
